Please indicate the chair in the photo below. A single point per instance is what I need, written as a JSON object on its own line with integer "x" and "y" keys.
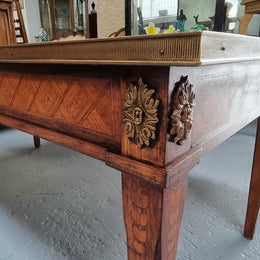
{"x": 71, "y": 37}
{"x": 251, "y": 7}
{"x": 120, "y": 32}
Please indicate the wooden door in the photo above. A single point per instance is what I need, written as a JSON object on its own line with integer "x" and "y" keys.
{"x": 7, "y": 31}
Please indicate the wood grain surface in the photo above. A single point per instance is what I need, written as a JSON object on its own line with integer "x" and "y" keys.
{"x": 64, "y": 102}
{"x": 156, "y": 78}
{"x": 80, "y": 105}
{"x": 152, "y": 216}
{"x": 142, "y": 205}
{"x": 254, "y": 191}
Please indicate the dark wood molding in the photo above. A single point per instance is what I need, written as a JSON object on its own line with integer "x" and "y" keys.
{"x": 154, "y": 174}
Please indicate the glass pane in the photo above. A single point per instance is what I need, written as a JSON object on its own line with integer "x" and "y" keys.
{"x": 234, "y": 14}
{"x": 62, "y": 17}
{"x": 254, "y": 26}
{"x": 200, "y": 13}
{"x": 79, "y": 15}
{"x": 45, "y": 18}
{"x": 156, "y": 16}
{"x": 161, "y": 13}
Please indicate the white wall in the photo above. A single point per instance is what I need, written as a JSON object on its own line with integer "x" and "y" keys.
{"x": 110, "y": 16}
{"x": 253, "y": 27}
{"x": 203, "y": 8}
{"x": 32, "y": 18}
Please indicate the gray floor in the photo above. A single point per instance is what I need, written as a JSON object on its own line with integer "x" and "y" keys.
{"x": 59, "y": 204}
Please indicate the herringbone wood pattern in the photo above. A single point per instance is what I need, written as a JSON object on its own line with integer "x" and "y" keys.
{"x": 77, "y": 101}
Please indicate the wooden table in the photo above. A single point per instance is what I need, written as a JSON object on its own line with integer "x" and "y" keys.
{"x": 150, "y": 106}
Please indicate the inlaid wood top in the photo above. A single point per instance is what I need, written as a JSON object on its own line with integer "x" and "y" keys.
{"x": 188, "y": 48}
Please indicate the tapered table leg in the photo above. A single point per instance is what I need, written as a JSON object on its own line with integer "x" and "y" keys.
{"x": 254, "y": 192}
{"x": 37, "y": 141}
{"x": 152, "y": 217}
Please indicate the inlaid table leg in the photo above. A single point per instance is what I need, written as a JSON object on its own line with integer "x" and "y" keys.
{"x": 37, "y": 141}
{"x": 152, "y": 217}
{"x": 254, "y": 192}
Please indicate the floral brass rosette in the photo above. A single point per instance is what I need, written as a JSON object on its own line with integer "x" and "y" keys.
{"x": 140, "y": 113}
{"x": 181, "y": 115}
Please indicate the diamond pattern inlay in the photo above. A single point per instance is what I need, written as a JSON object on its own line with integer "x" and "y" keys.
{"x": 8, "y": 87}
{"x": 100, "y": 116}
{"x": 76, "y": 101}
{"x": 49, "y": 96}
{"x": 95, "y": 121}
{"x": 25, "y": 93}
{"x": 84, "y": 105}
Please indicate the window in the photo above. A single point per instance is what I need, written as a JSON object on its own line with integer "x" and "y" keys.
{"x": 151, "y": 8}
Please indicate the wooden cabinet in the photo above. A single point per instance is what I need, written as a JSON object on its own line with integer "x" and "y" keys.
{"x": 61, "y": 18}
{"x": 7, "y": 31}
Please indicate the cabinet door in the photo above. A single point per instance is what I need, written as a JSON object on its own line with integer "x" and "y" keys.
{"x": 63, "y": 12}
{"x": 57, "y": 17}
{"x": 61, "y": 18}
{"x": 46, "y": 21}
{"x": 7, "y": 32}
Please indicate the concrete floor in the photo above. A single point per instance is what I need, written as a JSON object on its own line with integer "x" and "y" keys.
{"x": 59, "y": 204}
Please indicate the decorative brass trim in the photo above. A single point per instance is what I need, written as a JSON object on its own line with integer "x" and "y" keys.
{"x": 181, "y": 114}
{"x": 178, "y": 49}
{"x": 140, "y": 113}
